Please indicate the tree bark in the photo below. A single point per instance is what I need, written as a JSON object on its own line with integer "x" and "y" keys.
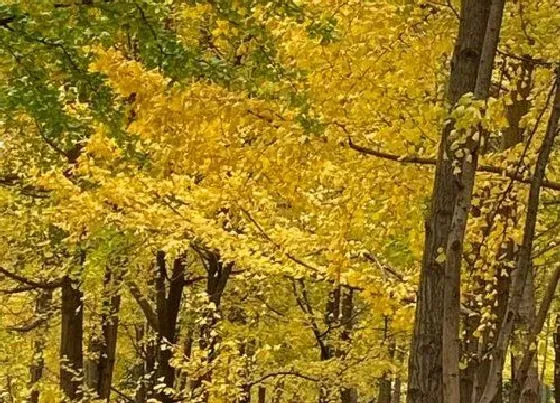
{"x": 168, "y": 303}
{"x": 262, "y": 394}
{"x": 520, "y": 338}
{"x": 463, "y": 191}
{"x": 71, "y": 333}
{"x": 100, "y": 368}
{"x": 425, "y": 376}
{"x": 476, "y": 374}
{"x": 521, "y": 272}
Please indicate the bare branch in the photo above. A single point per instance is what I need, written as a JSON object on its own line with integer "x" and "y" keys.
{"x": 31, "y": 283}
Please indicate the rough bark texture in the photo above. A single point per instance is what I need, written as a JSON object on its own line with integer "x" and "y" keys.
{"x": 463, "y": 186}
{"x": 521, "y": 272}
{"x": 425, "y": 377}
{"x": 71, "y": 335}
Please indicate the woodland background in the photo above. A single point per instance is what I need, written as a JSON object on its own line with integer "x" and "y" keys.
{"x": 279, "y": 201}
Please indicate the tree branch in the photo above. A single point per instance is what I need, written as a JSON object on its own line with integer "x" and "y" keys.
{"x": 147, "y": 309}
{"x": 412, "y": 159}
{"x": 31, "y": 283}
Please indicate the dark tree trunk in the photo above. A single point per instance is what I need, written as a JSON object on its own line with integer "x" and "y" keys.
{"x": 347, "y": 395}
{"x": 100, "y": 369}
{"x": 71, "y": 333}
{"x": 463, "y": 186}
{"x": 331, "y": 318}
{"x": 246, "y": 350}
{"x": 262, "y": 394}
{"x": 425, "y": 376}
{"x": 168, "y": 304}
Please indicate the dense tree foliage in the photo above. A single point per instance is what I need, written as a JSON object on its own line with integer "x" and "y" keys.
{"x": 279, "y": 201}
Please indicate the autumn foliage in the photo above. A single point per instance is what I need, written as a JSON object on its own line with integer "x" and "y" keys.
{"x": 279, "y": 201}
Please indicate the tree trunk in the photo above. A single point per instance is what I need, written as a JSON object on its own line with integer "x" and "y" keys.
{"x": 396, "y": 390}
{"x": 425, "y": 376}
{"x": 523, "y": 325}
{"x": 104, "y": 345}
{"x": 218, "y": 275}
{"x": 521, "y": 272}
{"x": 463, "y": 187}
{"x": 557, "y": 360}
{"x": 168, "y": 303}
{"x": 384, "y": 395}
{"x": 507, "y": 208}
{"x": 347, "y": 395}
{"x": 527, "y": 311}
{"x": 71, "y": 333}
{"x": 262, "y": 394}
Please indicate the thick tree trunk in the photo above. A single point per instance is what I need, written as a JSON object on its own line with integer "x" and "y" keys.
{"x": 262, "y": 394}
{"x": 109, "y": 329}
{"x": 521, "y": 272}
{"x": 425, "y": 376}
{"x": 463, "y": 191}
{"x": 71, "y": 335}
{"x": 168, "y": 303}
